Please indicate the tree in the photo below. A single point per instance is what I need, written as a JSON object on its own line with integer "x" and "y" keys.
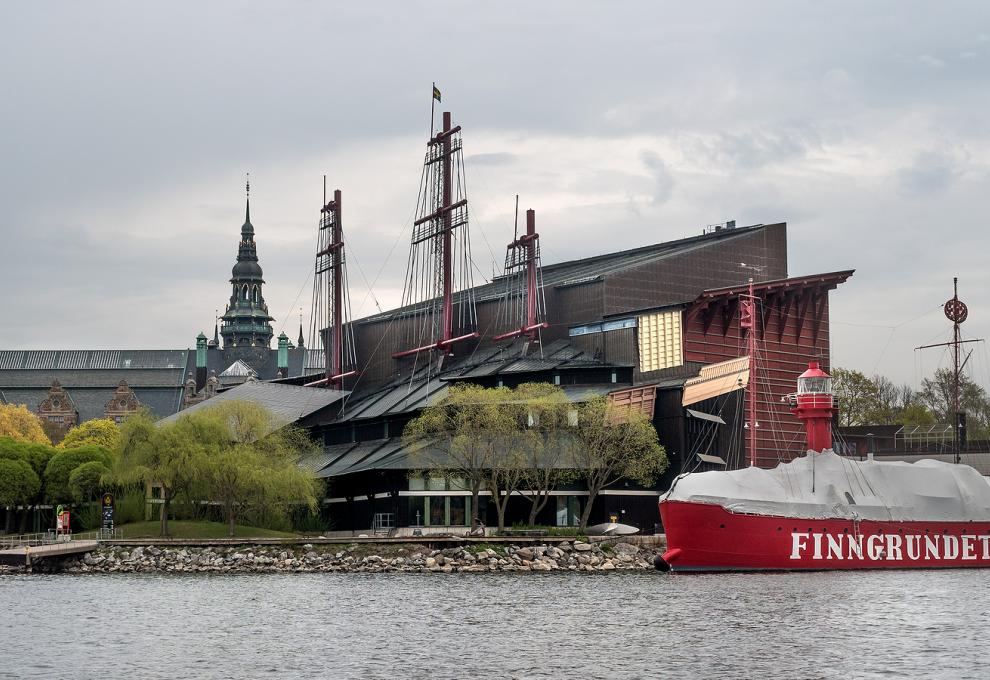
{"x": 18, "y": 423}
{"x": 256, "y": 464}
{"x": 856, "y": 394}
{"x": 37, "y": 457}
{"x": 547, "y": 455}
{"x": 615, "y": 444}
{"x": 64, "y": 463}
{"x": 19, "y": 484}
{"x": 100, "y": 432}
{"x": 86, "y": 481}
{"x": 937, "y": 395}
{"x": 464, "y": 437}
{"x": 172, "y": 457}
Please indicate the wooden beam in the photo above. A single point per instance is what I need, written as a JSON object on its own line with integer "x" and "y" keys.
{"x": 818, "y": 308}
{"x": 802, "y": 311}
{"x": 728, "y": 313}
{"x": 782, "y": 313}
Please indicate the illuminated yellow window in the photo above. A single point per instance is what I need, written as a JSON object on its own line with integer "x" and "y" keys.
{"x": 660, "y": 343}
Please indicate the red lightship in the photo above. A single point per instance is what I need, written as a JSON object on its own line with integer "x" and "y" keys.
{"x": 825, "y": 511}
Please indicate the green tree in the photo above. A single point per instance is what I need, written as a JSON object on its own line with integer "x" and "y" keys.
{"x": 464, "y": 437}
{"x": 35, "y": 455}
{"x": 172, "y": 457}
{"x": 857, "y": 396}
{"x": 62, "y": 465}
{"x": 86, "y": 481}
{"x": 937, "y": 394}
{"x": 100, "y": 432}
{"x": 19, "y": 484}
{"x": 615, "y": 443}
{"x": 255, "y": 465}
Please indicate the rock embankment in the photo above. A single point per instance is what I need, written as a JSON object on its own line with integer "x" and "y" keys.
{"x": 564, "y": 556}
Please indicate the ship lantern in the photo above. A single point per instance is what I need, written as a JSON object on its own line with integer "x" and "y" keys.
{"x": 814, "y": 381}
{"x": 815, "y": 405}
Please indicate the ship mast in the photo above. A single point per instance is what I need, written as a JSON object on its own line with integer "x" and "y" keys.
{"x": 523, "y": 304}
{"x": 747, "y": 321}
{"x": 956, "y": 312}
{"x": 331, "y": 332}
{"x": 440, "y": 256}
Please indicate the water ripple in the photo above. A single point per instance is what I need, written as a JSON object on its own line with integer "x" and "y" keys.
{"x": 825, "y": 625}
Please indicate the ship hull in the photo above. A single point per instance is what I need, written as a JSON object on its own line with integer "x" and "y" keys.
{"x": 708, "y": 538}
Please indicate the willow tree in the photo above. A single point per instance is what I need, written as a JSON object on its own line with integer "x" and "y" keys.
{"x": 172, "y": 456}
{"x": 465, "y": 437}
{"x": 256, "y": 465}
{"x": 615, "y": 443}
{"x": 547, "y": 457}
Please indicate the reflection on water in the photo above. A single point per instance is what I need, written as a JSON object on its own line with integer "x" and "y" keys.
{"x": 549, "y": 625}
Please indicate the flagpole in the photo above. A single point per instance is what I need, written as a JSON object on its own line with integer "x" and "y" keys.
{"x": 433, "y": 105}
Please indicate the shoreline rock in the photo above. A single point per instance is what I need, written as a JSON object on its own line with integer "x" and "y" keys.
{"x": 363, "y": 558}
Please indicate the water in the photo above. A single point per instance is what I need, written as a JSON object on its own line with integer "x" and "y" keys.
{"x": 550, "y": 625}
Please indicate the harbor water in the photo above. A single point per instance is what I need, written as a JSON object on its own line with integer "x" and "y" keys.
{"x": 932, "y": 624}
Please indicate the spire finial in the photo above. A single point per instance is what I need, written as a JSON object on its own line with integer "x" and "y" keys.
{"x": 247, "y": 205}
{"x": 300, "y": 343}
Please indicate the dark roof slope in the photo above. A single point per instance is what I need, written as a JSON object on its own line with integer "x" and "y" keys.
{"x": 290, "y": 403}
{"x": 584, "y": 270}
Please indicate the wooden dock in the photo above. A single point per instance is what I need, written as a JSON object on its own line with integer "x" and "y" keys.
{"x": 30, "y": 555}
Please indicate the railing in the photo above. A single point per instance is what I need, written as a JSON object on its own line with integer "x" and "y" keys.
{"x": 18, "y": 540}
{"x": 50, "y": 537}
{"x": 383, "y": 523}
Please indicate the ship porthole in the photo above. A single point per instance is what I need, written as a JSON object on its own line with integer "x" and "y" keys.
{"x": 846, "y": 530}
{"x": 721, "y": 526}
{"x": 780, "y": 528}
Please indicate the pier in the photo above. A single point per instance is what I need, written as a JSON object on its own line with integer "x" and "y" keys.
{"x": 29, "y": 552}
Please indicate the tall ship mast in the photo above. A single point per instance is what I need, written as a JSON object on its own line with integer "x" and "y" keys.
{"x": 825, "y": 511}
{"x": 440, "y": 264}
{"x": 331, "y": 333}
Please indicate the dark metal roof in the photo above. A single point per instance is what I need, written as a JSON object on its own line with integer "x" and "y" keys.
{"x": 290, "y": 403}
{"x": 91, "y": 402}
{"x": 596, "y": 268}
{"x": 424, "y": 387}
{"x": 42, "y": 360}
{"x": 384, "y": 454}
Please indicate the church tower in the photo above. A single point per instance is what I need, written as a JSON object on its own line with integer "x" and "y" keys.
{"x": 246, "y": 328}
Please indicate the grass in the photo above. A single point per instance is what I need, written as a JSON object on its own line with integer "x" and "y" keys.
{"x": 187, "y": 529}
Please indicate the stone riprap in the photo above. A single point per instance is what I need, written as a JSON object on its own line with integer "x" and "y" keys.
{"x": 563, "y": 556}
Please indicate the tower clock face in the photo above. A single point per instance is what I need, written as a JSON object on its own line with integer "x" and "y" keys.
{"x": 55, "y": 403}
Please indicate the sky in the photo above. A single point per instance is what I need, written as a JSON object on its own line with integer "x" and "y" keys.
{"x": 127, "y": 128}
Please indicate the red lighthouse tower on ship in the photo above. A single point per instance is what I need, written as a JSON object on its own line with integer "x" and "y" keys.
{"x": 814, "y": 404}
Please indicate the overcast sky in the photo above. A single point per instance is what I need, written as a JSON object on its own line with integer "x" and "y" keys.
{"x": 126, "y": 129}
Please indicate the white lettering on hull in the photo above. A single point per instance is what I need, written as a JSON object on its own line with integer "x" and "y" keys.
{"x": 888, "y": 547}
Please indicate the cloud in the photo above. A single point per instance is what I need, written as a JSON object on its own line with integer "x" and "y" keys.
{"x": 663, "y": 181}
{"x": 125, "y": 143}
{"x": 929, "y": 172}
